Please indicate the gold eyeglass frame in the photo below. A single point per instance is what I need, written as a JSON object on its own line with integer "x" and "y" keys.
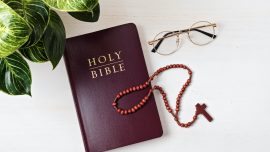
{"x": 177, "y": 34}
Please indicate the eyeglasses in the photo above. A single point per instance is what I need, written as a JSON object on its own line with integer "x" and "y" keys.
{"x": 168, "y": 42}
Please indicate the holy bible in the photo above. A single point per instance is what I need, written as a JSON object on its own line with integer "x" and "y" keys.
{"x": 99, "y": 65}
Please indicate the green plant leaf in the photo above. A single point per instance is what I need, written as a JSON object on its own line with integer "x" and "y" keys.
{"x": 72, "y": 5}
{"x": 35, "y": 13}
{"x": 35, "y": 53}
{"x": 87, "y": 16}
{"x": 15, "y": 75}
{"x": 14, "y": 31}
{"x": 54, "y": 39}
{"x": 51, "y": 46}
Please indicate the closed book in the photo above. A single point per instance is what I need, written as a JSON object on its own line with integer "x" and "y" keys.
{"x": 99, "y": 65}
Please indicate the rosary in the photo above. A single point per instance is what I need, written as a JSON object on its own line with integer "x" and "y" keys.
{"x": 200, "y": 108}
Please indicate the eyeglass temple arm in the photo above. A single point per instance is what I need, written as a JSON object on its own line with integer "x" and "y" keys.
{"x": 205, "y": 33}
{"x": 161, "y": 40}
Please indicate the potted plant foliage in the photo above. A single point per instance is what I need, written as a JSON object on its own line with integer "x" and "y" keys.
{"x": 32, "y": 30}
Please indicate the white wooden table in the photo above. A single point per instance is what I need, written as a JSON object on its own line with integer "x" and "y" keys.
{"x": 231, "y": 75}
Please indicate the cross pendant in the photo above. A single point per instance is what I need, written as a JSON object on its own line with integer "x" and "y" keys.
{"x": 201, "y": 110}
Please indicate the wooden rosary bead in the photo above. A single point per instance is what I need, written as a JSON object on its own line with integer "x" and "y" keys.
{"x": 199, "y": 108}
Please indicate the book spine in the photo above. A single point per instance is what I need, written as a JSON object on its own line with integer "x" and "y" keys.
{"x": 77, "y": 106}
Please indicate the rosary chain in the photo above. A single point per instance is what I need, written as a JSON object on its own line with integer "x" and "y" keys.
{"x": 162, "y": 92}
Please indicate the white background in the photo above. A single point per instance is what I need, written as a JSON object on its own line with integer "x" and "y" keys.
{"x": 231, "y": 75}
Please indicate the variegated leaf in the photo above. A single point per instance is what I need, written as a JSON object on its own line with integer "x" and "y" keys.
{"x": 35, "y": 53}
{"x": 15, "y": 75}
{"x": 14, "y": 31}
{"x": 72, "y": 5}
{"x": 54, "y": 39}
{"x": 87, "y": 16}
{"x": 35, "y": 13}
{"x": 51, "y": 45}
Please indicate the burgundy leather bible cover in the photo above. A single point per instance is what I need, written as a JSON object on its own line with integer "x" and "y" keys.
{"x": 99, "y": 65}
